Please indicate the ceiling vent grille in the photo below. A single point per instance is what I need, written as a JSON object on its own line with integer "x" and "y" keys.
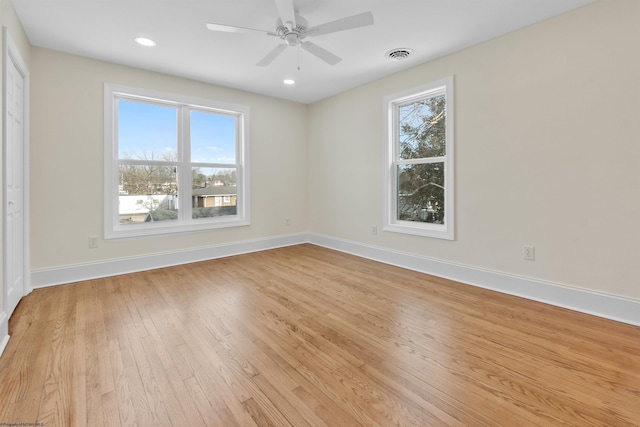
{"x": 399, "y": 54}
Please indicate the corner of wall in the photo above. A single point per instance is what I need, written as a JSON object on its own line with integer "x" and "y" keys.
{"x": 4, "y": 331}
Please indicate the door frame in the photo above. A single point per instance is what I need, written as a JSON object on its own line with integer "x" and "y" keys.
{"x": 11, "y": 53}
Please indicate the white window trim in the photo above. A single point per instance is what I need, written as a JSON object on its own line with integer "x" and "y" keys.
{"x": 112, "y": 228}
{"x": 390, "y": 223}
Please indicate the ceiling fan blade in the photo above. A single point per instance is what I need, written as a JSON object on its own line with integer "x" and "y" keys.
{"x": 355, "y": 21}
{"x": 272, "y": 55}
{"x": 321, "y": 53}
{"x": 233, "y": 29}
{"x": 287, "y": 13}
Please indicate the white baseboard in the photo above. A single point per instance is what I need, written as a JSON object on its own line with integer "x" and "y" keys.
{"x": 41, "y": 278}
{"x": 4, "y": 331}
{"x": 610, "y": 306}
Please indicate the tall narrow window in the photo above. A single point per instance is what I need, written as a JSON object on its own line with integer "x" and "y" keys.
{"x": 419, "y": 161}
{"x": 169, "y": 159}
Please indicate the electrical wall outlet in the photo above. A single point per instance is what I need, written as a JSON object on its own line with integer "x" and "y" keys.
{"x": 529, "y": 252}
{"x": 287, "y": 222}
{"x": 374, "y": 230}
{"x": 93, "y": 242}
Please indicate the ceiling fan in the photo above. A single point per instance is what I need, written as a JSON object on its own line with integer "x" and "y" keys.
{"x": 293, "y": 29}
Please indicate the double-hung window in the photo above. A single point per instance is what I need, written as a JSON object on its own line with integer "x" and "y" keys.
{"x": 173, "y": 163}
{"x": 419, "y": 161}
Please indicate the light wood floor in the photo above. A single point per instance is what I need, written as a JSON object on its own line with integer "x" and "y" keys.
{"x": 305, "y": 336}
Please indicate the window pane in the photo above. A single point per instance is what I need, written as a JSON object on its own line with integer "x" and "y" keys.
{"x": 421, "y": 127}
{"x": 213, "y": 138}
{"x": 147, "y": 194}
{"x": 421, "y": 193}
{"x": 214, "y": 192}
{"x": 147, "y": 131}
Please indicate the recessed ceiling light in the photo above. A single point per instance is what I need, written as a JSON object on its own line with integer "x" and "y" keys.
{"x": 143, "y": 41}
{"x": 289, "y": 82}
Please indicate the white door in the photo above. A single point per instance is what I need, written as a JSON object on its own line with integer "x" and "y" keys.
{"x": 14, "y": 185}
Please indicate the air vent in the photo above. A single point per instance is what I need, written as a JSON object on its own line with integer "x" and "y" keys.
{"x": 399, "y": 54}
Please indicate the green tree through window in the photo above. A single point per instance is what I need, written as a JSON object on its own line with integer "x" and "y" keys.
{"x": 422, "y": 135}
{"x": 419, "y": 161}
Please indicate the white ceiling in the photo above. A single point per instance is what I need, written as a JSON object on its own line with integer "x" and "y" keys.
{"x": 105, "y": 29}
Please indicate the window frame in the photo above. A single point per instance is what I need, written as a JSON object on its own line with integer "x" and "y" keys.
{"x": 184, "y": 105}
{"x": 391, "y": 104}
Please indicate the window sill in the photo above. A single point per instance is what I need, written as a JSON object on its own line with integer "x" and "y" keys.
{"x": 144, "y": 230}
{"x": 421, "y": 229}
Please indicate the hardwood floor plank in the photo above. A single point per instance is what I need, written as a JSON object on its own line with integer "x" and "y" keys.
{"x": 306, "y": 336}
{"x": 79, "y": 374}
{"x": 23, "y": 378}
{"x": 258, "y": 415}
{"x": 203, "y": 403}
{"x": 110, "y": 410}
{"x": 123, "y": 396}
{"x": 165, "y": 395}
{"x": 105, "y": 330}
{"x": 94, "y": 415}
{"x": 157, "y": 411}
{"x": 324, "y": 408}
{"x": 212, "y": 381}
{"x": 55, "y": 405}
{"x": 181, "y": 393}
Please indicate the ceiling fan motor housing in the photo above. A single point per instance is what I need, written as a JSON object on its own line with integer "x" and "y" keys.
{"x": 292, "y": 36}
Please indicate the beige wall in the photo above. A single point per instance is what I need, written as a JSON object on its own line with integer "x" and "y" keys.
{"x": 9, "y": 19}
{"x": 547, "y": 141}
{"x": 67, "y": 161}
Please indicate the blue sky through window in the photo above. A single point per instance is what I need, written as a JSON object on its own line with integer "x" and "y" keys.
{"x": 146, "y": 131}
{"x": 150, "y": 132}
{"x": 213, "y": 138}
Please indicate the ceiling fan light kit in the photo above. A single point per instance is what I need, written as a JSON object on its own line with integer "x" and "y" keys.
{"x": 293, "y": 29}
